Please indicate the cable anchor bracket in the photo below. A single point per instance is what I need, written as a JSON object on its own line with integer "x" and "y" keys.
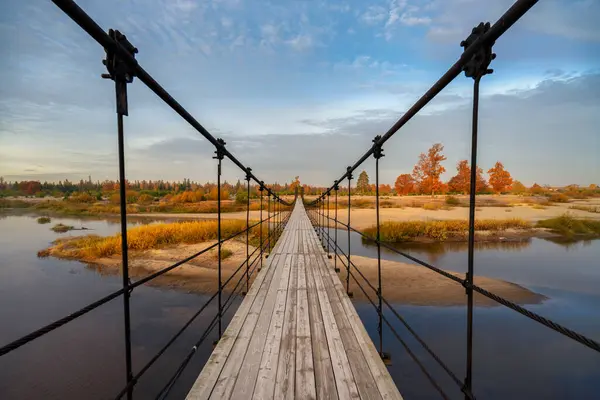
{"x": 118, "y": 70}
{"x": 478, "y": 65}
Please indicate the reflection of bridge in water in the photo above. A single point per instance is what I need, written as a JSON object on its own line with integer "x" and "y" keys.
{"x": 296, "y": 334}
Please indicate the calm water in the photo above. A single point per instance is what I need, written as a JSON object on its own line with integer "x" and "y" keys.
{"x": 85, "y": 358}
{"x": 514, "y": 357}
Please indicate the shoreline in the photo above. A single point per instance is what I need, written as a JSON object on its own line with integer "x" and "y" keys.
{"x": 364, "y": 224}
{"x": 403, "y": 284}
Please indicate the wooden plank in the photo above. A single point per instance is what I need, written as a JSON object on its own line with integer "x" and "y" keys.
{"x": 267, "y": 372}
{"x": 299, "y": 246}
{"x": 227, "y": 378}
{"x": 346, "y": 387}
{"x": 305, "y": 245}
{"x": 324, "y": 376}
{"x": 305, "y": 372}
{"x": 246, "y": 380}
{"x": 365, "y": 382}
{"x": 385, "y": 383}
{"x": 206, "y": 380}
{"x": 286, "y": 369}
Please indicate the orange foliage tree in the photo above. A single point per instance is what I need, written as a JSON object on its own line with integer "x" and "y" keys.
{"x": 295, "y": 183}
{"x": 405, "y": 184}
{"x": 500, "y": 179}
{"x": 385, "y": 189}
{"x": 461, "y": 182}
{"x": 30, "y": 187}
{"x": 428, "y": 170}
{"x": 213, "y": 194}
{"x": 518, "y": 188}
{"x": 537, "y": 189}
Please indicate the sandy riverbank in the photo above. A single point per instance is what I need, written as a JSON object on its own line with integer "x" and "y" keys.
{"x": 365, "y": 218}
{"x": 403, "y": 283}
{"x": 417, "y": 285}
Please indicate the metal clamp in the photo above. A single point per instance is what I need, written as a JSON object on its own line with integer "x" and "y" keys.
{"x": 220, "y": 151}
{"x": 129, "y": 286}
{"x": 248, "y": 174}
{"x": 478, "y": 65}
{"x": 467, "y": 284}
{"x": 377, "y": 149}
{"x": 349, "y": 172}
{"x": 118, "y": 70}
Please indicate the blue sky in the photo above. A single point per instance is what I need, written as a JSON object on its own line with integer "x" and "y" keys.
{"x": 298, "y": 88}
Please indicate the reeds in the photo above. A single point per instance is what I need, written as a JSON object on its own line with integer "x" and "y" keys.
{"x": 442, "y": 230}
{"x": 145, "y": 237}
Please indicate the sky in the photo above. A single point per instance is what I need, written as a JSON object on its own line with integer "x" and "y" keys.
{"x": 298, "y": 88}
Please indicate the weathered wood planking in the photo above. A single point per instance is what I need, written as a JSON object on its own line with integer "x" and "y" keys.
{"x": 296, "y": 335}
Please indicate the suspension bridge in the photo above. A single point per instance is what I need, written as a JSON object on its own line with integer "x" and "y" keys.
{"x": 296, "y": 333}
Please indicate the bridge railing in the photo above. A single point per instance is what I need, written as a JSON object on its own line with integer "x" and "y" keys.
{"x": 122, "y": 69}
{"x": 474, "y": 61}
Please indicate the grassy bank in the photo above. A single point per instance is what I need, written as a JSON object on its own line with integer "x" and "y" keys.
{"x": 406, "y": 231}
{"x": 571, "y": 227}
{"x": 145, "y": 237}
{"x": 409, "y": 231}
{"x": 61, "y": 228}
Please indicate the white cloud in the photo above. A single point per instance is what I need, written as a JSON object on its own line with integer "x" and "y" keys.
{"x": 409, "y": 20}
{"x": 226, "y": 22}
{"x": 373, "y": 15}
{"x": 576, "y": 19}
{"x": 301, "y": 42}
{"x": 184, "y": 6}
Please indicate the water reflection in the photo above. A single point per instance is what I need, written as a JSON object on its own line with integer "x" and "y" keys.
{"x": 438, "y": 249}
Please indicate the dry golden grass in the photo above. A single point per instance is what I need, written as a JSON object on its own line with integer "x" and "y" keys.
{"x": 61, "y": 228}
{"x": 143, "y": 237}
{"x": 590, "y": 209}
{"x": 569, "y": 227}
{"x": 442, "y": 230}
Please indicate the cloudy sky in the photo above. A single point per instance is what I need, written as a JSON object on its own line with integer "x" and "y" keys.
{"x": 298, "y": 88}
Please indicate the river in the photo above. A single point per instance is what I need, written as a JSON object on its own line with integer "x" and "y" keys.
{"x": 514, "y": 357}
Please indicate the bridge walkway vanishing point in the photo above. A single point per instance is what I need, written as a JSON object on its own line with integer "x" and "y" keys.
{"x": 296, "y": 333}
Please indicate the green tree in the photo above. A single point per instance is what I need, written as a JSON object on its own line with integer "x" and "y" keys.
{"x": 241, "y": 197}
{"x": 362, "y": 184}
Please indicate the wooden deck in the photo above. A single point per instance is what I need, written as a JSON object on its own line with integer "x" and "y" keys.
{"x": 296, "y": 335}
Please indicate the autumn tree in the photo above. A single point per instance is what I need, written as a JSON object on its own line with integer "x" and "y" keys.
{"x": 518, "y": 188}
{"x": 500, "y": 179}
{"x": 461, "y": 182}
{"x": 405, "y": 184}
{"x": 428, "y": 170}
{"x": 30, "y": 187}
{"x": 362, "y": 184}
{"x": 385, "y": 189}
{"x": 295, "y": 184}
{"x": 536, "y": 189}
